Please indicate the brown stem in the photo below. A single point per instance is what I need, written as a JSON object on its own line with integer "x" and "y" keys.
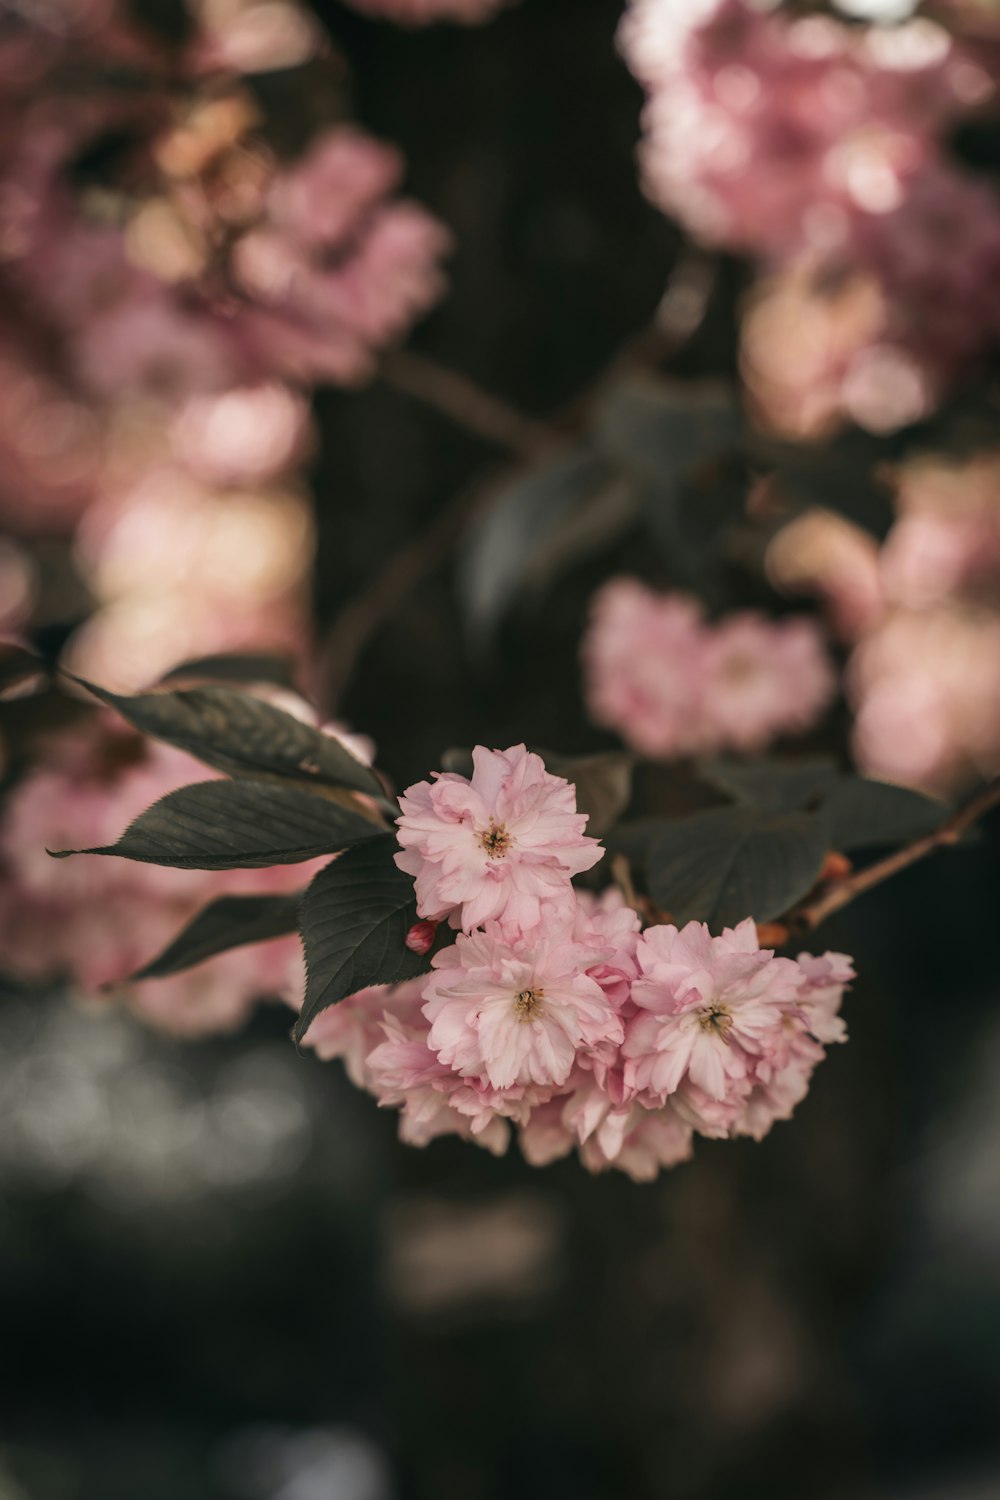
{"x": 459, "y": 398}
{"x": 845, "y": 891}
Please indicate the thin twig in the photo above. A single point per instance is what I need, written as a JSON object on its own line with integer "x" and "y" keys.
{"x": 847, "y": 890}
{"x": 459, "y": 398}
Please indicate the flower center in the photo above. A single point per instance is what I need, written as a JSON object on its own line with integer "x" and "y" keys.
{"x": 717, "y": 1021}
{"x": 528, "y": 1004}
{"x": 496, "y": 841}
{"x": 739, "y": 669}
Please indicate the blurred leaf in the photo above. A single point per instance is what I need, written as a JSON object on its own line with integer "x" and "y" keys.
{"x": 680, "y": 441}
{"x": 500, "y": 548}
{"x": 236, "y": 825}
{"x": 235, "y": 667}
{"x": 864, "y": 814}
{"x": 603, "y": 782}
{"x": 242, "y": 735}
{"x": 775, "y": 785}
{"x": 591, "y": 527}
{"x": 18, "y": 668}
{"x": 458, "y": 761}
{"x": 355, "y": 917}
{"x": 229, "y": 922}
{"x": 661, "y": 429}
{"x": 735, "y": 862}
{"x": 845, "y": 475}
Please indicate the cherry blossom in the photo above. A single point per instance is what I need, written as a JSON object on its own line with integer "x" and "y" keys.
{"x": 518, "y": 1008}
{"x": 495, "y": 846}
{"x": 673, "y": 684}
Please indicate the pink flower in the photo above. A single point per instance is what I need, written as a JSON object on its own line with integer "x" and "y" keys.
{"x": 823, "y": 554}
{"x": 639, "y": 1143}
{"x": 770, "y": 133}
{"x": 673, "y": 685}
{"x": 925, "y": 687}
{"x": 495, "y": 847}
{"x": 607, "y": 920}
{"x": 764, "y": 678}
{"x": 708, "y": 1007}
{"x": 353, "y": 1028}
{"x": 824, "y": 980}
{"x": 405, "y": 1073}
{"x": 516, "y": 1008}
{"x": 643, "y": 659}
{"x": 544, "y": 1136}
{"x": 336, "y": 268}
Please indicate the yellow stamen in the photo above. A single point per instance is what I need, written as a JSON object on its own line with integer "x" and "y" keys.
{"x": 528, "y": 1004}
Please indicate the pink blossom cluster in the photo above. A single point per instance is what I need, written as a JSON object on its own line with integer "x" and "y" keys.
{"x": 922, "y": 616}
{"x": 161, "y": 328}
{"x": 671, "y": 683}
{"x": 816, "y": 146}
{"x": 553, "y": 1014}
{"x": 95, "y": 921}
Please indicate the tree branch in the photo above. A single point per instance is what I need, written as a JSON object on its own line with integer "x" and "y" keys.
{"x": 467, "y": 404}
{"x": 843, "y": 892}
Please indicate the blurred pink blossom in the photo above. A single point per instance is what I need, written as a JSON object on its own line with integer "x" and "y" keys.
{"x": 97, "y": 919}
{"x": 672, "y": 684}
{"x": 925, "y": 687}
{"x": 762, "y": 679}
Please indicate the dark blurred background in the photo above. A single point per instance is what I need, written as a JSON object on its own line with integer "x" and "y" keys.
{"x": 221, "y": 1277}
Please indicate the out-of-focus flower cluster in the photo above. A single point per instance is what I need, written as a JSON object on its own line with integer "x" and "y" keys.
{"x": 672, "y": 684}
{"x": 95, "y": 922}
{"x": 553, "y": 1014}
{"x": 170, "y": 289}
{"x": 817, "y": 147}
{"x": 922, "y": 613}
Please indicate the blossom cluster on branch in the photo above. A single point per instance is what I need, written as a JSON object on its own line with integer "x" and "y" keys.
{"x": 552, "y": 1013}
{"x": 818, "y": 147}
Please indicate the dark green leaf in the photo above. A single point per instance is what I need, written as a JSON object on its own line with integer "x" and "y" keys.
{"x": 662, "y": 429}
{"x": 776, "y": 785}
{"x": 229, "y": 922}
{"x": 635, "y": 839}
{"x": 524, "y": 515}
{"x": 735, "y": 862}
{"x": 679, "y": 442}
{"x": 19, "y": 667}
{"x": 235, "y": 667}
{"x": 355, "y": 917}
{"x": 865, "y": 814}
{"x": 237, "y": 825}
{"x": 846, "y": 475}
{"x": 458, "y": 761}
{"x": 242, "y": 736}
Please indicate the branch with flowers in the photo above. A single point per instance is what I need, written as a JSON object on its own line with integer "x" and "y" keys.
{"x": 466, "y": 956}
